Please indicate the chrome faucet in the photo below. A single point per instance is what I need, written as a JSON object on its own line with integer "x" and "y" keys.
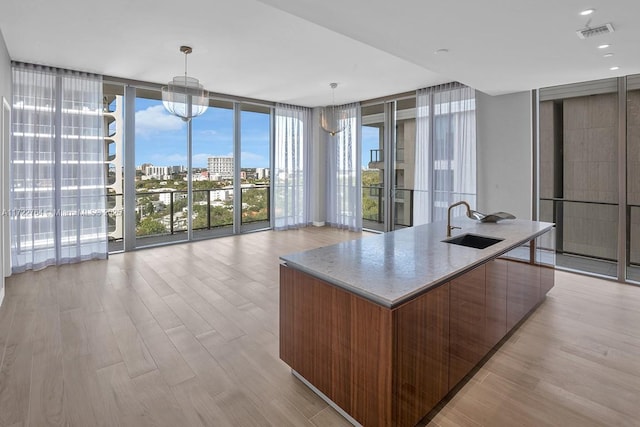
{"x": 449, "y": 226}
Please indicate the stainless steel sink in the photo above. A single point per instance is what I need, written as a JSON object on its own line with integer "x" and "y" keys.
{"x": 473, "y": 241}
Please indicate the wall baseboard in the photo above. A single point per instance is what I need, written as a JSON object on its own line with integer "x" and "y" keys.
{"x": 318, "y": 223}
{"x": 2, "y": 292}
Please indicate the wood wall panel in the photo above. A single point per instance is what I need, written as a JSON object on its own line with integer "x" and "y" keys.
{"x": 422, "y": 355}
{"x": 466, "y": 323}
{"x": 496, "y": 299}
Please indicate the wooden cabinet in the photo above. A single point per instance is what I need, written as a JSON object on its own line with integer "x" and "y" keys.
{"x": 390, "y": 367}
{"x": 547, "y": 279}
{"x": 495, "y": 323}
{"x": 467, "y": 323}
{"x": 421, "y": 355}
{"x": 523, "y": 290}
{"x": 340, "y": 343}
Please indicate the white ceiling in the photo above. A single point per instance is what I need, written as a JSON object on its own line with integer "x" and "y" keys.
{"x": 289, "y": 50}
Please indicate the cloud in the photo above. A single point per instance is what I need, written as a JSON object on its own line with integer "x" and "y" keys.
{"x": 253, "y": 160}
{"x": 155, "y": 120}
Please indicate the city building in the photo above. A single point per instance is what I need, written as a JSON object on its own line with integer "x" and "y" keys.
{"x": 221, "y": 167}
{"x": 157, "y": 172}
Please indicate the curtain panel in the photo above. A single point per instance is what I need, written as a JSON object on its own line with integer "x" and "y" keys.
{"x": 57, "y": 183}
{"x": 344, "y": 174}
{"x": 445, "y": 163}
{"x": 292, "y": 167}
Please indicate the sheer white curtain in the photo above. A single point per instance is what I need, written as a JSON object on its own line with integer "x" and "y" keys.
{"x": 344, "y": 187}
{"x": 445, "y": 150}
{"x": 292, "y": 166}
{"x": 57, "y": 184}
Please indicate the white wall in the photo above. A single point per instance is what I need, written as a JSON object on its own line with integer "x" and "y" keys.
{"x": 504, "y": 144}
{"x": 5, "y": 91}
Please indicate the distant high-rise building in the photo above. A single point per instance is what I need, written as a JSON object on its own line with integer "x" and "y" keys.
{"x": 220, "y": 166}
{"x": 157, "y": 172}
{"x": 262, "y": 173}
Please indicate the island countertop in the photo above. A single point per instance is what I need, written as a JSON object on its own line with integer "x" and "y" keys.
{"x": 392, "y": 268}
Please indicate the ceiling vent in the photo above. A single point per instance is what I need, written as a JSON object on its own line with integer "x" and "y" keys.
{"x": 587, "y": 32}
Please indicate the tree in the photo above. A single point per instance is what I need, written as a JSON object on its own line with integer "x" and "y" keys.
{"x": 150, "y": 226}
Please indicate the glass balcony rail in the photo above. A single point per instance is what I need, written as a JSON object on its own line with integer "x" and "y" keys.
{"x": 166, "y": 212}
{"x": 585, "y": 234}
{"x": 373, "y": 205}
{"x": 255, "y": 204}
{"x": 376, "y": 156}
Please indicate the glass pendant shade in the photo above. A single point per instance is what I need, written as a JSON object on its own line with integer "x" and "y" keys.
{"x": 184, "y": 96}
{"x": 332, "y": 118}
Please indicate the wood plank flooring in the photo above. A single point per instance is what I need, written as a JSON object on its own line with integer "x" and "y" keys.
{"x": 187, "y": 335}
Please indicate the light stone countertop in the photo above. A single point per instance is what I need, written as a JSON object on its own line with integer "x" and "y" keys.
{"x": 391, "y": 268}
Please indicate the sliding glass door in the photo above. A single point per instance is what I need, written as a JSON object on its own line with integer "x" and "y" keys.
{"x": 373, "y": 166}
{"x": 255, "y": 167}
{"x": 161, "y": 199}
{"x": 215, "y": 184}
{"x": 589, "y": 144}
{"x": 212, "y": 174}
{"x": 388, "y": 153}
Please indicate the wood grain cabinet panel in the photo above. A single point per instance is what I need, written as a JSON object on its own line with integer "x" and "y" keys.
{"x": 371, "y": 358}
{"x": 421, "y": 356}
{"x": 523, "y": 290}
{"x": 390, "y": 367}
{"x": 547, "y": 279}
{"x": 496, "y": 303}
{"x": 466, "y": 323}
{"x": 340, "y": 343}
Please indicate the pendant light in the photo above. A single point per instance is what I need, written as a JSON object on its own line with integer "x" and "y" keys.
{"x": 332, "y": 119}
{"x": 184, "y": 96}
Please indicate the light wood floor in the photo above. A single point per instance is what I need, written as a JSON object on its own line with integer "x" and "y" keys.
{"x": 187, "y": 335}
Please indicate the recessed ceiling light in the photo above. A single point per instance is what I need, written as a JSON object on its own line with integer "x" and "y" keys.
{"x": 441, "y": 51}
{"x": 604, "y": 46}
{"x": 587, "y": 12}
{"x": 608, "y": 55}
{"x": 614, "y": 68}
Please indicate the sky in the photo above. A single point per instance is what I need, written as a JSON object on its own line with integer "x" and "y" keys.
{"x": 370, "y": 141}
{"x": 161, "y": 138}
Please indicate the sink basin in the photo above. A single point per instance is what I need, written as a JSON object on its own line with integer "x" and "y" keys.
{"x": 473, "y": 241}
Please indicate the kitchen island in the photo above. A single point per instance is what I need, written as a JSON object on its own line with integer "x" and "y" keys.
{"x": 385, "y": 326}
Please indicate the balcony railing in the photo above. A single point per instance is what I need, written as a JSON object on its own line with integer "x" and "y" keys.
{"x": 376, "y": 156}
{"x": 373, "y": 205}
{"x": 165, "y": 212}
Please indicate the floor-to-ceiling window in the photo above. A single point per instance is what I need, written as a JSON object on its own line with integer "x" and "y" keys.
{"x": 589, "y": 146}
{"x": 633, "y": 177}
{"x": 388, "y": 153}
{"x": 255, "y": 166}
{"x": 213, "y": 171}
{"x": 579, "y": 174}
{"x": 373, "y": 165}
{"x": 226, "y": 165}
{"x": 161, "y": 172}
{"x": 404, "y": 161}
